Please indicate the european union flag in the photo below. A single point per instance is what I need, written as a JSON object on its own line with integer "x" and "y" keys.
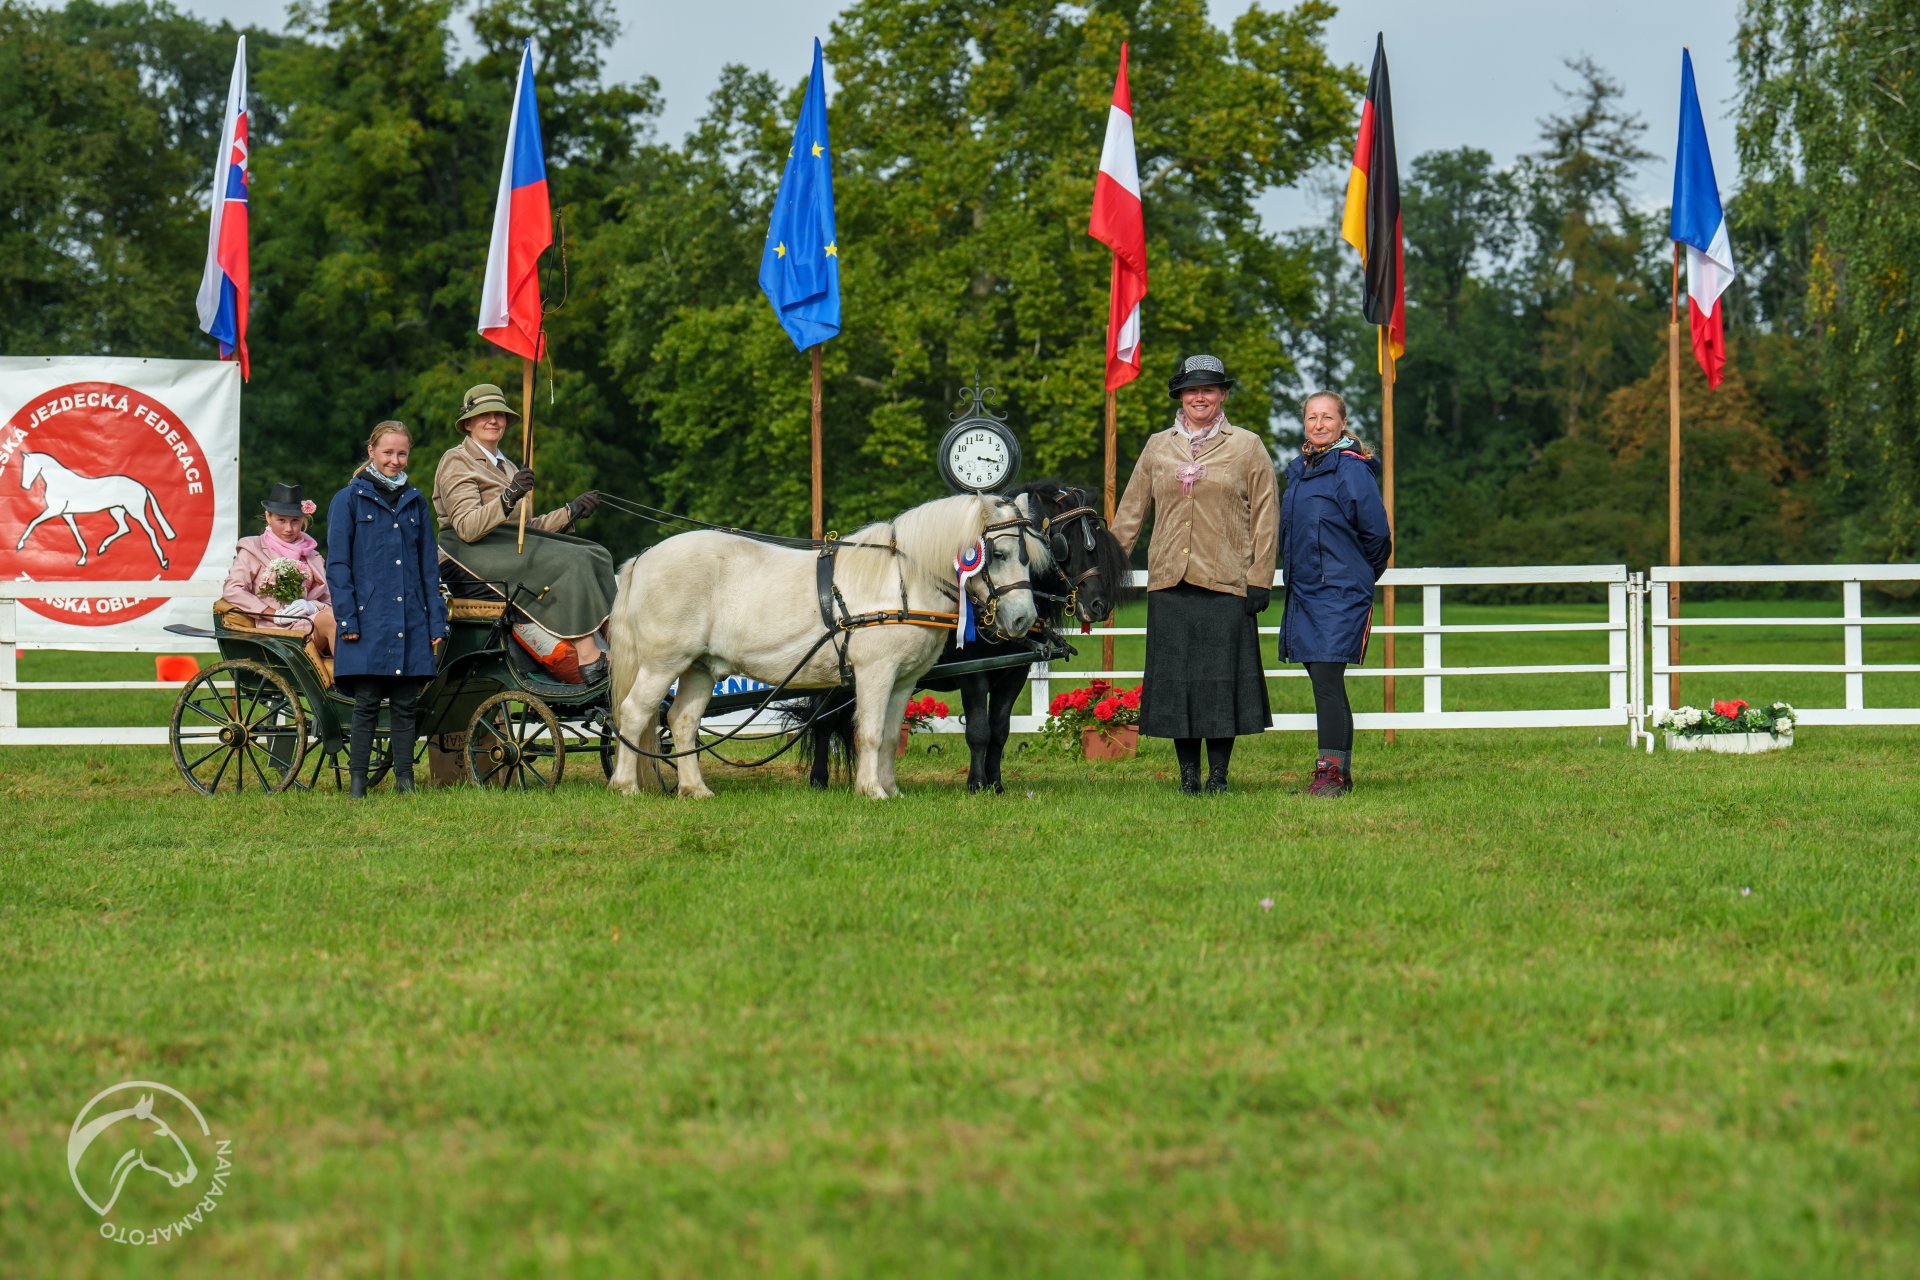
{"x": 800, "y": 268}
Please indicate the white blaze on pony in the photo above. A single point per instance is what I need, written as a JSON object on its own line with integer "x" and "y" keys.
{"x": 704, "y": 606}
{"x": 69, "y": 494}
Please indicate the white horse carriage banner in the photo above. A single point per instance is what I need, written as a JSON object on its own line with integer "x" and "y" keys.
{"x": 116, "y": 470}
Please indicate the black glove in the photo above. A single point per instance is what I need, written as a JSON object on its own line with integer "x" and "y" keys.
{"x": 585, "y": 505}
{"x": 518, "y": 486}
{"x": 1257, "y": 599}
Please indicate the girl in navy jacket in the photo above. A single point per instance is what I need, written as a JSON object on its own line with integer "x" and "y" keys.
{"x": 1334, "y": 544}
{"x": 383, "y": 571}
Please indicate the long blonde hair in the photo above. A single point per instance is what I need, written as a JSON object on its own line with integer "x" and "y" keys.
{"x": 392, "y": 426}
{"x": 1360, "y": 446}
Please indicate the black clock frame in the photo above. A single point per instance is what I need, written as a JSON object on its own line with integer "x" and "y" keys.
{"x": 974, "y": 414}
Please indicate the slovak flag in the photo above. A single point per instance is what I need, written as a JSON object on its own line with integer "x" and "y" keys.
{"x": 522, "y": 229}
{"x": 1119, "y": 222}
{"x": 1701, "y": 225}
{"x": 224, "y": 281}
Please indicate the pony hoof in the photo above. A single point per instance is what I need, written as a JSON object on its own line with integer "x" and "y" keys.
{"x": 694, "y": 793}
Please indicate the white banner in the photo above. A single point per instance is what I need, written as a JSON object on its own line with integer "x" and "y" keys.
{"x": 115, "y": 469}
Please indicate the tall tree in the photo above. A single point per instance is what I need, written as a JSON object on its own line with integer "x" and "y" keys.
{"x": 1831, "y": 122}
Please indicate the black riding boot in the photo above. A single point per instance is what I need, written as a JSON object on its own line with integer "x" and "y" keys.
{"x": 403, "y": 697}
{"x": 1187, "y": 750}
{"x": 366, "y": 712}
{"x": 1219, "y": 752}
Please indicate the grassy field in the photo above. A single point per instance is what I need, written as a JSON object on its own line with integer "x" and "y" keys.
{"x": 1526, "y": 1004}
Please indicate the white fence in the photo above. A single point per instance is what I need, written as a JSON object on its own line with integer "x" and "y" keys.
{"x": 1629, "y": 661}
{"x": 1851, "y": 623}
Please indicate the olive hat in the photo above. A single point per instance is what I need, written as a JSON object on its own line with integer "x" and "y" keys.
{"x": 485, "y": 398}
{"x": 1199, "y": 371}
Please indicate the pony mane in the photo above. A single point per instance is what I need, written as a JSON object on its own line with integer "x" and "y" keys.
{"x": 928, "y": 537}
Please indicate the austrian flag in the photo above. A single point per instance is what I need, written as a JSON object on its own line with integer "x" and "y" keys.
{"x": 1120, "y": 223}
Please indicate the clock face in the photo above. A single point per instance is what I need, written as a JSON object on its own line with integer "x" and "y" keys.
{"x": 979, "y": 458}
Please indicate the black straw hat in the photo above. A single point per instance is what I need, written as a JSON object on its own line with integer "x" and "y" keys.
{"x": 1199, "y": 371}
{"x": 284, "y": 500}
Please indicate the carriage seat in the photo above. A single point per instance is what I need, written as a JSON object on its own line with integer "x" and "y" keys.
{"x": 461, "y": 609}
{"x": 234, "y": 620}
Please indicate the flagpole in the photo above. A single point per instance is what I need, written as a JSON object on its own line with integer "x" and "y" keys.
{"x": 1386, "y": 496}
{"x": 1673, "y": 479}
{"x": 526, "y": 444}
{"x": 1106, "y": 488}
{"x": 819, "y": 484}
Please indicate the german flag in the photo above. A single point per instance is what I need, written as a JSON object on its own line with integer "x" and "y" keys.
{"x": 1371, "y": 222}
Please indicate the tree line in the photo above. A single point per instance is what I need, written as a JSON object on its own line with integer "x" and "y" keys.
{"x": 1530, "y": 408}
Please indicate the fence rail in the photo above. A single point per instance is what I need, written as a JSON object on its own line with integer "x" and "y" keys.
{"x": 1633, "y": 666}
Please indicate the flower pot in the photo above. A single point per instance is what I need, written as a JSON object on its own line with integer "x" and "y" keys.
{"x": 901, "y": 750}
{"x": 1739, "y": 744}
{"x": 1110, "y": 744}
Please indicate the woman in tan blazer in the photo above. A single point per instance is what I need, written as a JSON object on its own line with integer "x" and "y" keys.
{"x": 1210, "y": 489}
{"x": 568, "y": 581}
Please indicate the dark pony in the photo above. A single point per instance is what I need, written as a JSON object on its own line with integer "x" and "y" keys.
{"x": 1090, "y": 577}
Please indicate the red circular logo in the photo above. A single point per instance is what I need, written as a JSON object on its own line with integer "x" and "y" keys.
{"x": 101, "y": 483}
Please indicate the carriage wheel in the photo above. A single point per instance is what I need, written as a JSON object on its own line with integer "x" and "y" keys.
{"x": 241, "y": 726}
{"x": 514, "y": 741}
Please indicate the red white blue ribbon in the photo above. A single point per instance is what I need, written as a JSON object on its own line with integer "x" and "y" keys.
{"x": 968, "y": 562}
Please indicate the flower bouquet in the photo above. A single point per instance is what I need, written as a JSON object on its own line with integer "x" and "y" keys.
{"x": 921, "y": 713}
{"x": 1730, "y": 726}
{"x": 1101, "y": 721}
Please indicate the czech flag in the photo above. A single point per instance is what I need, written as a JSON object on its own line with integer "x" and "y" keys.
{"x": 224, "y": 281}
{"x": 1371, "y": 221}
{"x": 1119, "y": 222}
{"x": 522, "y": 229}
{"x": 1700, "y": 224}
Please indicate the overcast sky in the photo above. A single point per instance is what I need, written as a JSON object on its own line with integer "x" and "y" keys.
{"x": 1465, "y": 72}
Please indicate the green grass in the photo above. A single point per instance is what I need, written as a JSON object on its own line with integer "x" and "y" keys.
{"x": 1510, "y": 1013}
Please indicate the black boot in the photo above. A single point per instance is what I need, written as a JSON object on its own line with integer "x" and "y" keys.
{"x": 357, "y": 784}
{"x": 1216, "y": 778}
{"x": 1189, "y": 779}
{"x": 594, "y": 672}
{"x": 403, "y": 783}
{"x": 366, "y": 710}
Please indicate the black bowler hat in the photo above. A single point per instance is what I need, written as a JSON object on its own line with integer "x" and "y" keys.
{"x": 284, "y": 500}
{"x": 1199, "y": 371}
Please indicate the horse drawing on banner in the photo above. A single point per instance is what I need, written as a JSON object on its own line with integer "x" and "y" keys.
{"x": 155, "y": 1148}
{"x": 702, "y": 606}
{"x": 69, "y": 494}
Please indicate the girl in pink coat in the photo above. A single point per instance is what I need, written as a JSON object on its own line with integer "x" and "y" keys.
{"x": 250, "y": 581}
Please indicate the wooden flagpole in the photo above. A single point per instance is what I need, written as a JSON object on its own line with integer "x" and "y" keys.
{"x": 1673, "y": 478}
{"x": 526, "y": 444}
{"x": 819, "y": 484}
{"x": 1106, "y": 642}
{"x": 1386, "y": 495}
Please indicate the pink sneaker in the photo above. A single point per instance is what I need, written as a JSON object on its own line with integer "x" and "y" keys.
{"x": 1329, "y": 779}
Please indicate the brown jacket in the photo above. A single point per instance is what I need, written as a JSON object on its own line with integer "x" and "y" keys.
{"x": 466, "y": 496}
{"x": 1224, "y": 535}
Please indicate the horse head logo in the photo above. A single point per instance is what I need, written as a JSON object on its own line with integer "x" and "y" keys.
{"x": 143, "y": 1140}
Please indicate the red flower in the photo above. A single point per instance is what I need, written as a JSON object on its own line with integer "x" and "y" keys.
{"x": 1099, "y": 687}
{"x": 1131, "y": 699}
{"x": 1731, "y": 710}
{"x": 938, "y": 708}
{"x": 1104, "y": 709}
{"x": 1079, "y": 698}
{"x": 1058, "y": 704}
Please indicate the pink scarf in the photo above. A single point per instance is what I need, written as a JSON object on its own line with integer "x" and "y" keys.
{"x": 296, "y": 551}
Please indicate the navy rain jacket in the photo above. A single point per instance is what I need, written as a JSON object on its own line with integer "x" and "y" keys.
{"x": 382, "y": 567}
{"x": 1334, "y": 544}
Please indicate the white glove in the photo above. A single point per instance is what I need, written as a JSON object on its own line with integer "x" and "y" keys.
{"x": 299, "y": 609}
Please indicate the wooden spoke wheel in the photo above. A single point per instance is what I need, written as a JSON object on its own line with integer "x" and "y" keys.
{"x": 239, "y": 726}
{"x": 514, "y": 741}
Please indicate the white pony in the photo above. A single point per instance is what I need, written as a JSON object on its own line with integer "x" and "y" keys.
{"x": 70, "y": 494}
{"x": 702, "y": 606}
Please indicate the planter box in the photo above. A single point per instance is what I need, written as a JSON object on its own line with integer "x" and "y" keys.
{"x": 1114, "y": 744}
{"x": 1738, "y": 744}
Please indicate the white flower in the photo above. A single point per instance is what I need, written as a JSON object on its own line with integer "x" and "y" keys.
{"x": 1782, "y": 706}
{"x": 1783, "y": 725}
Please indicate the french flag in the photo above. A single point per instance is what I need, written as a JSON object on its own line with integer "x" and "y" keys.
{"x": 522, "y": 229}
{"x": 224, "y": 281}
{"x": 1119, "y": 222}
{"x": 1701, "y": 225}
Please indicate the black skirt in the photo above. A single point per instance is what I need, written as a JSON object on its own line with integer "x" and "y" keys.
{"x": 1203, "y": 666}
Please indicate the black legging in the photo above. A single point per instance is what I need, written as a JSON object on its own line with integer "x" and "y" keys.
{"x": 403, "y": 693}
{"x": 1219, "y": 752}
{"x": 1331, "y": 709}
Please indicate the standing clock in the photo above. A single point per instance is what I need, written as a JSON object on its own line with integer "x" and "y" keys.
{"x": 979, "y": 453}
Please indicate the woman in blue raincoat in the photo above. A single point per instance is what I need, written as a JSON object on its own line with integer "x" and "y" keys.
{"x": 383, "y": 571}
{"x": 1334, "y": 543}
